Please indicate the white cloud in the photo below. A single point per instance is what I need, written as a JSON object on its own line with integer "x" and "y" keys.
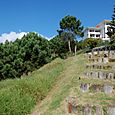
{"x": 44, "y": 36}
{"x": 12, "y": 36}
{"x": 48, "y": 38}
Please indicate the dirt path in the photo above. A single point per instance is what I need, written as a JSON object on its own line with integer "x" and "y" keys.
{"x": 65, "y": 76}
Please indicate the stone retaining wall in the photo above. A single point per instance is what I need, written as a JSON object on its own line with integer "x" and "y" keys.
{"x": 100, "y": 75}
{"x": 106, "y": 88}
{"x": 86, "y": 109}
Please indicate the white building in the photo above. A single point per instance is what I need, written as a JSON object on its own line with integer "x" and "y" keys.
{"x": 97, "y": 32}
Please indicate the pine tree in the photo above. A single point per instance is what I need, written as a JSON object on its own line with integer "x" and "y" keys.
{"x": 70, "y": 28}
{"x": 113, "y": 21}
{"x": 111, "y": 29}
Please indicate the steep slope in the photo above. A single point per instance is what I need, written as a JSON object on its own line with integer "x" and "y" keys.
{"x": 69, "y": 89}
{"x": 59, "y": 88}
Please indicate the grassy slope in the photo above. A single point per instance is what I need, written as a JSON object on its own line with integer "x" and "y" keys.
{"x": 69, "y": 85}
{"x": 61, "y": 78}
{"x": 19, "y": 96}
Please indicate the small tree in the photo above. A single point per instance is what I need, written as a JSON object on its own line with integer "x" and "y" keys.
{"x": 92, "y": 42}
{"x": 113, "y": 37}
{"x": 70, "y": 28}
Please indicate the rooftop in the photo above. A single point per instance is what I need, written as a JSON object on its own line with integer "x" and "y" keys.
{"x": 104, "y": 21}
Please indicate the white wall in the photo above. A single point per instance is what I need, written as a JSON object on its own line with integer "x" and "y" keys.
{"x": 102, "y": 33}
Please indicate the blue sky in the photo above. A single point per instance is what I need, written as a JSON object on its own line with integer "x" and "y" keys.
{"x": 43, "y": 16}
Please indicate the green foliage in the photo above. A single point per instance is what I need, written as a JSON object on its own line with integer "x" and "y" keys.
{"x": 58, "y": 47}
{"x": 32, "y": 51}
{"x": 29, "y": 53}
{"x": 111, "y": 29}
{"x": 58, "y": 98}
{"x": 112, "y": 39}
{"x": 19, "y": 96}
{"x": 92, "y": 42}
{"x": 23, "y": 56}
{"x": 71, "y": 24}
{"x": 80, "y": 45}
{"x": 70, "y": 28}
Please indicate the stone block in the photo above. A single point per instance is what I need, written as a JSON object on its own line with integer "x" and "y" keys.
{"x": 108, "y": 89}
{"x": 94, "y": 53}
{"x": 96, "y": 87}
{"x": 110, "y": 76}
{"x": 111, "y": 111}
{"x": 84, "y": 87}
{"x": 94, "y": 74}
{"x": 100, "y": 60}
{"x": 113, "y": 67}
{"x": 87, "y": 110}
{"x": 99, "y": 110}
{"x": 100, "y": 52}
{"x": 105, "y": 60}
{"x": 100, "y": 75}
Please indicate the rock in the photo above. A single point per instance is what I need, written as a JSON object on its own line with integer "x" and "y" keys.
{"x": 108, "y": 89}
{"x": 111, "y": 111}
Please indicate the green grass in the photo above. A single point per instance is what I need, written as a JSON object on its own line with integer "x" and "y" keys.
{"x": 65, "y": 85}
{"x": 71, "y": 87}
{"x": 57, "y": 80}
{"x": 58, "y": 98}
{"x": 19, "y": 96}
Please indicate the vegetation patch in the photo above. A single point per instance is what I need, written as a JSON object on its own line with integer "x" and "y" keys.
{"x": 19, "y": 96}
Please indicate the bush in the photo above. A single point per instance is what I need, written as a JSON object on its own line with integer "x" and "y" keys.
{"x": 23, "y": 55}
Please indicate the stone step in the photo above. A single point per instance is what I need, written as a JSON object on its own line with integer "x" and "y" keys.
{"x": 87, "y": 109}
{"x": 106, "y": 88}
{"x": 100, "y": 75}
{"x": 100, "y": 66}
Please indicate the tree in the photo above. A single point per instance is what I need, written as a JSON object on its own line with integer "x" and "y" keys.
{"x": 92, "y": 42}
{"x": 70, "y": 27}
{"x": 23, "y": 55}
{"x": 112, "y": 39}
{"x": 58, "y": 47}
{"x": 111, "y": 29}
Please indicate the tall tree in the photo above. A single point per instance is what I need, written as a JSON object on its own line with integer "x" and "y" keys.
{"x": 111, "y": 29}
{"x": 70, "y": 28}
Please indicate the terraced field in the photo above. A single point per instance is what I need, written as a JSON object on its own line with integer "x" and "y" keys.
{"x": 81, "y": 90}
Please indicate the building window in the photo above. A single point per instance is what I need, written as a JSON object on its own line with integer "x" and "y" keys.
{"x": 97, "y": 36}
{"x": 97, "y": 30}
{"x": 92, "y": 35}
{"x": 91, "y": 30}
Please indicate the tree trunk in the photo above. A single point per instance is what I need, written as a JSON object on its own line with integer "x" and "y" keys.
{"x": 75, "y": 49}
{"x": 69, "y": 46}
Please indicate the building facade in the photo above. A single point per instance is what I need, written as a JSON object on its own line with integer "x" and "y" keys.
{"x": 98, "y": 32}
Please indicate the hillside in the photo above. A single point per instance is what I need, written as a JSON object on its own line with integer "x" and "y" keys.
{"x": 69, "y": 89}
{"x": 50, "y": 90}
{"x": 19, "y": 96}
